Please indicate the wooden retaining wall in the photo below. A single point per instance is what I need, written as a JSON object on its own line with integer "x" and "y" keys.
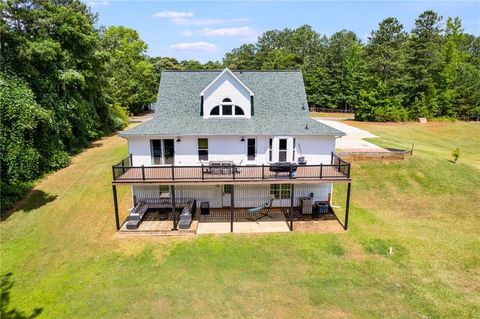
{"x": 393, "y": 155}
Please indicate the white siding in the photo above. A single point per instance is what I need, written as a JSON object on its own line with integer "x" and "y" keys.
{"x": 226, "y": 87}
{"x": 139, "y": 147}
{"x": 244, "y": 195}
{"x": 315, "y": 149}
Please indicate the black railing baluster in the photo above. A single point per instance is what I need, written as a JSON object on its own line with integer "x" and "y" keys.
{"x": 125, "y": 172}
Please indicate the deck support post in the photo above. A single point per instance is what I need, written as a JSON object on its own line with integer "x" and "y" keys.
{"x": 115, "y": 205}
{"x": 232, "y": 208}
{"x": 347, "y": 206}
{"x": 174, "y": 211}
{"x": 292, "y": 197}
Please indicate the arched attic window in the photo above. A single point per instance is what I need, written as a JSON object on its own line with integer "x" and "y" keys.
{"x": 227, "y": 108}
{"x": 239, "y": 110}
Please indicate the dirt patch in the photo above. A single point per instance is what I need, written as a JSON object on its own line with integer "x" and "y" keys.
{"x": 321, "y": 226}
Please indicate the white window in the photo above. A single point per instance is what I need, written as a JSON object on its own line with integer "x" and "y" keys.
{"x": 203, "y": 149}
{"x": 227, "y": 108}
{"x": 280, "y": 191}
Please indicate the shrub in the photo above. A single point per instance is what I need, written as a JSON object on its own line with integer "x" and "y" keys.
{"x": 11, "y": 193}
{"x": 375, "y": 107}
{"x": 456, "y": 154}
{"x": 59, "y": 159}
{"x": 21, "y": 118}
{"x": 119, "y": 117}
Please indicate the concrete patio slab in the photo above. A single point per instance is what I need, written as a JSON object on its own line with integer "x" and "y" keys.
{"x": 243, "y": 227}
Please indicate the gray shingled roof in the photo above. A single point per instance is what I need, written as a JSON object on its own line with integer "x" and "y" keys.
{"x": 280, "y": 107}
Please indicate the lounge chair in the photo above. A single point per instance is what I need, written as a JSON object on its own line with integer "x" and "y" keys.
{"x": 261, "y": 211}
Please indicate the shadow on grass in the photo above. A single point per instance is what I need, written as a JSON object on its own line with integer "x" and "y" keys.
{"x": 34, "y": 199}
{"x": 95, "y": 144}
{"x": 6, "y": 283}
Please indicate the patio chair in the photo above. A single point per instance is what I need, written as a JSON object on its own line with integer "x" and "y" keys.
{"x": 262, "y": 210}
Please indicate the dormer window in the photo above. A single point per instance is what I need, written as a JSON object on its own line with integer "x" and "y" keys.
{"x": 227, "y": 108}
{"x": 226, "y": 96}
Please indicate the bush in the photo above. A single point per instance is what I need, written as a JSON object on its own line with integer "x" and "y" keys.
{"x": 119, "y": 117}
{"x": 377, "y": 108}
{"x": 456, "y": 154}
{"x": 390, "y": 114}
{"x": 59, "y": 159}
{"x": 21, "y": 118}
{"x": 11, "y": 193}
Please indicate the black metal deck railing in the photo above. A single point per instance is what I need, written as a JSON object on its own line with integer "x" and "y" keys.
{"x": 125, "y": 172}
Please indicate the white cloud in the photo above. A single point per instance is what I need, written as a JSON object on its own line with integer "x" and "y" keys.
{"x": 222, "y": 32}
{"x": 186, "y": 33}
{"x": 173, "y": 14}
{"x": 186, "y": 21}
{"x": 98, "y": 3}
{"x": 197, "y": 45}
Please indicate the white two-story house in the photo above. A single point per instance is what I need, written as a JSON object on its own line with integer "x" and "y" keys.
{"x": 234, "y": 139}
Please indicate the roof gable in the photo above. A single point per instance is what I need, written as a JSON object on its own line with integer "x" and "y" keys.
{"x": 220, "y": 76}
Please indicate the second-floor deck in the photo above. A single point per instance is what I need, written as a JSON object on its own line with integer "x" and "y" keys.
{"x": 337, "y": 171}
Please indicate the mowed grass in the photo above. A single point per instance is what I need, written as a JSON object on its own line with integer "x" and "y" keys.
{"x": 67, "y": 262}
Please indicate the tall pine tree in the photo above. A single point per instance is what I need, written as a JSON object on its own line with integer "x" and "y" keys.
{"x": 423, "y": 64}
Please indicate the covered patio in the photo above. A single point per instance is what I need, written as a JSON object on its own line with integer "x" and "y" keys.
{"x": 219, "y": 221}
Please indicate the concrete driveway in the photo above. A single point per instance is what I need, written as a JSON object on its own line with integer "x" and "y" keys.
{"x": 353, "y": 141}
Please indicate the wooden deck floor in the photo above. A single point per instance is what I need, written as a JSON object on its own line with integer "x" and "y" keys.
{"x": 242, "y": 175}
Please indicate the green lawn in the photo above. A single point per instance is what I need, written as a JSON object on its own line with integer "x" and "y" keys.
{"x": 66, "y": 261}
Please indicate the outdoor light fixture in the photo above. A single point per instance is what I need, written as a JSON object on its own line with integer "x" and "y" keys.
{"x": 243, "y": 139}
{"x": 306, "y": 126}
{"x": 178, "y": 139}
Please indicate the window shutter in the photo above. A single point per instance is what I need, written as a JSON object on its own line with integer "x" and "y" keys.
{"x": 201, "y": 105}
{"x": 251, "y": 106}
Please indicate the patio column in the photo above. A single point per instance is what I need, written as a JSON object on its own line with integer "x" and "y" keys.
{"x": 115, "y": 205}
{"x": 292, "y": 198}
{"x": 232, "y": 207}
{"x": 174, "y": 211}
{"x": 347, "y": 206}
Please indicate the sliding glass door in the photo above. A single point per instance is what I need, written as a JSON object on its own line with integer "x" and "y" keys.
{"x": 162, "y": 151}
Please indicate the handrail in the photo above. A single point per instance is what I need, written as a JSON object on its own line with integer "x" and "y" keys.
{"x": 177, "y": 173}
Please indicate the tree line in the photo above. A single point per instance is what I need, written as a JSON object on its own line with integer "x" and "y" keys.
{"x": 64, "y": 81}
{"x": 432, "y": 71}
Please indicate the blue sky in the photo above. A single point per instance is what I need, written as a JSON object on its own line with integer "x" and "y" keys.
{"x": 206, "y": 30}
